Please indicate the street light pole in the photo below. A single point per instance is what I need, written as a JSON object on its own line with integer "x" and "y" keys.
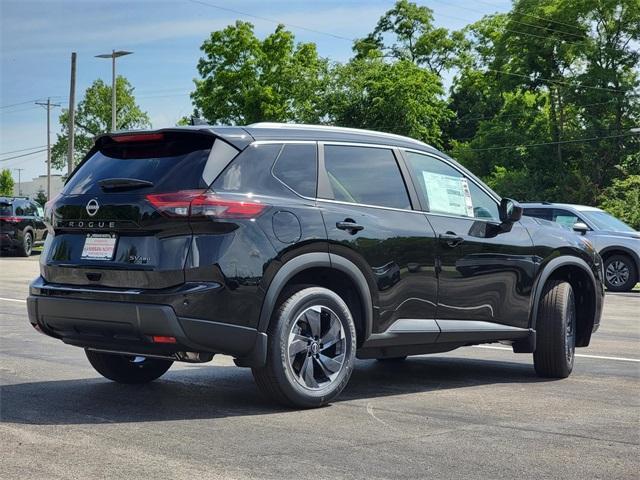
{"x": 113, "y": 55}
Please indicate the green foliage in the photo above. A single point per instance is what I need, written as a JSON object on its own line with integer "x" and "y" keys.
{"x": 6, "y": 183}
{"x": 93, "y": 117}
{"x": 622, "y": 200}
{"x": 41, "y": 197}
{"x": 540, "y": 106}
{"x": 397, "y": 97}
{"x": 245, "y": 80}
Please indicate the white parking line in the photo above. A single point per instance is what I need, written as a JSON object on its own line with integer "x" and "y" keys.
{"x": 583, "y": 355}
{"x": 13, "y": 300}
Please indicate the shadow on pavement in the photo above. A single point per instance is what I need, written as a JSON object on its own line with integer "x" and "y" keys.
{"x": 209, "y": 392}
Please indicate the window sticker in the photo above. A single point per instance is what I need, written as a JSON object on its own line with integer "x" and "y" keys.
{"x": 448, "y": 194}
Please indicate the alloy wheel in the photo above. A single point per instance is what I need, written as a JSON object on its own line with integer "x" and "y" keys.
{"x": 617, "y": 273}
{"x": 316, "y": 347}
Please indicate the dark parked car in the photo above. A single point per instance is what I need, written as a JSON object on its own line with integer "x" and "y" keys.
{"x": 295, "y": 249}
{"x": 21, "y": 225}
{"x": 617, "y": 243}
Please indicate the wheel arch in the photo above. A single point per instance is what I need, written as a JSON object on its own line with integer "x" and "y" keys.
{"x": 322, "y": 264}
{"x": 621, "y": 250}
{"x": 585, "y": 286}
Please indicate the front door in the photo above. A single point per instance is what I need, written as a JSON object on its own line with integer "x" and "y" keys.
{"x": 369, "y": 219}
{"x": 485, "y": 269}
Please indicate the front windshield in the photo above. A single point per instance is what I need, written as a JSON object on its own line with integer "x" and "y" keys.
{"x": 605, "y": 221}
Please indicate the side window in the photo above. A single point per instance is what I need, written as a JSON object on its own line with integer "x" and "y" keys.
{"x": 37, "y": 210}
{"x": 19, "y": 209}
{"x": 297, "y": 167}
{"x": 29, "y": 209}
{"x": 544, "y": 213}
{"x": 448, "y": 191}
{"x": 565, "y": 218}
{"x": 365, "y": 175}
{"x": 248, "y": 172}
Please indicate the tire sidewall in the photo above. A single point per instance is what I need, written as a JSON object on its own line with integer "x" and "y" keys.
{"x": 27, "y": 246}
{"x": 569, "y": 315}
{"x": 286, "y": 316}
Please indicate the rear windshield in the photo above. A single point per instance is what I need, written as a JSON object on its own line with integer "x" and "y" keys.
{"x": 169, "y": 166}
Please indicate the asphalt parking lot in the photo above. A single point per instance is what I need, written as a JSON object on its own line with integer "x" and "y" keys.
{"x": 473, "y": 413}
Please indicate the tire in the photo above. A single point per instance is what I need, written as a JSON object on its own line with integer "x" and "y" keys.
{"x": 127, "y": 369}
{"x": 301, "y": 371}
{"x": 555, "y": 331}
{"x": 392, "y": 359}
{"x": 620, "y": 273}
{"x": 24, "y": 250}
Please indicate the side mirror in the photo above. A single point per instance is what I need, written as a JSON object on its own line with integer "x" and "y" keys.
{"x": 580, "y": 227}
{"x": 510, "y": 211}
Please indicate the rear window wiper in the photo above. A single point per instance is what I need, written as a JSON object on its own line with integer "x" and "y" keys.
{"x": 123, "y": 183}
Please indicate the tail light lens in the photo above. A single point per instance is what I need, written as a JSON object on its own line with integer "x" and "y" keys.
{"x": 195, "y": 204}
{"x": 10, "y": 219}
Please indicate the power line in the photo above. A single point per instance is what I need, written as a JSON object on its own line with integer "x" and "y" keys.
{"x": 19, "y": 103}
{"x": 516, "y": 115}
{"x": 23, "y": 155}
{"x": 560, "y": 82}
{"x": 251, "y": 15}
{"x": 22, "y": 150}
{"x": 466, "y": 8}
{"x": 536, "y": 17}
{"x": 577, "y": 140}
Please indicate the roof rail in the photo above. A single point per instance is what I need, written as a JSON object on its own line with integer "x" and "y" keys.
{"x": 331, "y": 128}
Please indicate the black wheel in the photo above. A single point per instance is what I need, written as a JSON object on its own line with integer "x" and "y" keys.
{"x": 127, "y": 368}
{"x": 620, "y": 273}
{"x": 392, "y": 359}
{"x": 311, "y": 349}
{"x": 24, "y": 250}
{"x": 555, "y": 331}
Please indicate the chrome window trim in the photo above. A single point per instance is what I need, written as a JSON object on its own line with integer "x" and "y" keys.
{"x": 340, "y": 202}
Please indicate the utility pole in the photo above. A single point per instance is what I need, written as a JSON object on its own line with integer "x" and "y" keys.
{"x": 48, "y": 105}
{"x": 113, "y": 55}
{"x": 19, "y": 170}
{"x": 72, "y": 114}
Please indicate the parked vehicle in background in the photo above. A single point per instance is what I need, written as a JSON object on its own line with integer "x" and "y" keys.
{"x": 21, "y": 225}
{"x": 617, "y": 243}
{"x": 296, "y": 248}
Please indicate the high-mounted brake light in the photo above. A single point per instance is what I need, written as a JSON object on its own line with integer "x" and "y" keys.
{"x": 138, "y": 137}
{"x": 195, "y": 204}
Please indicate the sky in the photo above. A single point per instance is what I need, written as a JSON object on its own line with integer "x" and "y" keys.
{"x": 38, "y": 36}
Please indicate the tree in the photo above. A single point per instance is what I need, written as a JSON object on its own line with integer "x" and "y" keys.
{"x": 6, "y": 183}
{"x": 397, "y": 97}
{"x": 622, "y": 200}
{"x": 245, "y": 79}
{"x": 414, "y": 38}
{"x": 41, "y": 197}
{"x": 93, "y": 117}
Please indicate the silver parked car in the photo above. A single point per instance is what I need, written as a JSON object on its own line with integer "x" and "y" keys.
{"x": 617, "y": 243}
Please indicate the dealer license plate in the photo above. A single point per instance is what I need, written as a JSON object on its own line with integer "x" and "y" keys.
{"x": 99, "y": 246}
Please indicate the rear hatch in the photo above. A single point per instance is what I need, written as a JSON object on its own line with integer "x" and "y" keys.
{"x": 114, "y": 224}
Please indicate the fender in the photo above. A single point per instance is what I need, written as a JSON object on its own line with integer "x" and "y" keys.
{"x": 626, "y": 250}
{"x": 546, "y": 273}
{"x": 311, "y": 260}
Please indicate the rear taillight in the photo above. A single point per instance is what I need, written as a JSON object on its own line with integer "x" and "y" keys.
{"x": 194, "y": 204}
{"x": 10, "y": 219}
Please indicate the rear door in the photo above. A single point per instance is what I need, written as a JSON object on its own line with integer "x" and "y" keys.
{"x": 114, "y": 223}
{"x": 369, "y": 219}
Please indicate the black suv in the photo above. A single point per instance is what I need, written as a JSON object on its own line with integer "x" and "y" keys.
{"x": 21, "y": 225}
{"x": 295, "y": 249}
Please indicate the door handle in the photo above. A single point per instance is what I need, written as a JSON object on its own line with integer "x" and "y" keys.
{"x": 349, "y": 225}
{"x": 451, "y": 239}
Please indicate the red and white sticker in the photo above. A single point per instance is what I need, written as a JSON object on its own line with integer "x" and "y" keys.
{"x": 99, "y": 247}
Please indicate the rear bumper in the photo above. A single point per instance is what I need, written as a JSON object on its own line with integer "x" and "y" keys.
{"x": 129, "y": 327}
